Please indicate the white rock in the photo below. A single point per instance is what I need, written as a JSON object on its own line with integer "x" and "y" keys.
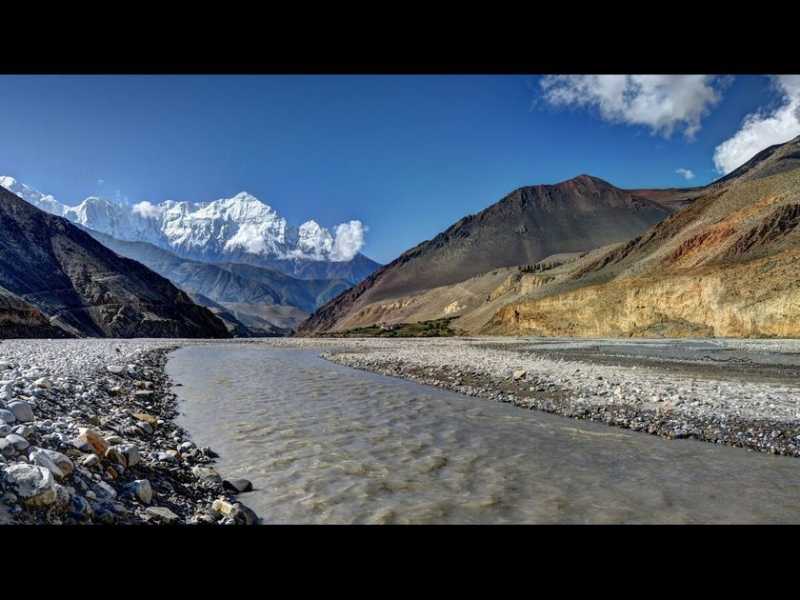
{"x": 58, "y": 464}
{"x": 19, "y": 442}
{"x": 34, "y": 484}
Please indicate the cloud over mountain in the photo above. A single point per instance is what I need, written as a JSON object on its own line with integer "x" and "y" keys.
{"x": 763, "y": 128}
{"x": 662, "y": 103}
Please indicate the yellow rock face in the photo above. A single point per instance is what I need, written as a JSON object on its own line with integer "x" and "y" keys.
{"x": 757, "y": 299}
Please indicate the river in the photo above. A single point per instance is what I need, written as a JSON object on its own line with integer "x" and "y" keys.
{"x": 324, "y": 443}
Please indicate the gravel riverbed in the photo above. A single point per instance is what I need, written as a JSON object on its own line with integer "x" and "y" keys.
{"x": 87, "y": 435}
{"x": 88, "y": 431}
{"x": 670, "y": 388}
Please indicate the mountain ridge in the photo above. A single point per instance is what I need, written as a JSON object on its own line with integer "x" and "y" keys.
{"x": 237, "y": 229}
{"x": 525, "y": 226}
{"x": 85, "y": 288}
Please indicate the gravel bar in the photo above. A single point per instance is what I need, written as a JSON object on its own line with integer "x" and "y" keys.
{"x": 87, "y": 435}
{"x": 675, "y": 400}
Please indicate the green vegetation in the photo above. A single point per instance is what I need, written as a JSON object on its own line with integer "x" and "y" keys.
{"x": 433, "y": 328}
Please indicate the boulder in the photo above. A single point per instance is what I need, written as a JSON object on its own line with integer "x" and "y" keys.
{"x": 22, "y": 411}
{"x": 237, "y": 486}
{"x": 125, "y": 454}
{"x": 35, "y": 485}
{"x": 19, "y": 442}
{"x": 207, "y": 474}
{"x": 58, "y": 464}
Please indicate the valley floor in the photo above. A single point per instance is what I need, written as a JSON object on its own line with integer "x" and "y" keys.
{"x": 58, "y": 396}
{"x": 729, "y": 391}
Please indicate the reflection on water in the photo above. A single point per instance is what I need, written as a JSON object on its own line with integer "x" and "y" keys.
{"x": 326, "y": 444}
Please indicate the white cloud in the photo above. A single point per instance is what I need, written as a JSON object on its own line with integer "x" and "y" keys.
{"x": 348, "y": 240}
{"x": 147, "y": 210}
{"x": 663, "y": 103}
{"x": 763, "y": 128}
{"x": 687, "y": 174}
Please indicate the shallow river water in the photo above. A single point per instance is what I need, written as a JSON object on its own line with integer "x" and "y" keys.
{"x": 326, "y": 444}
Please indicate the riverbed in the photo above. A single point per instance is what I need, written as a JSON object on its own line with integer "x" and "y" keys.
{"x": 324, "y": 443}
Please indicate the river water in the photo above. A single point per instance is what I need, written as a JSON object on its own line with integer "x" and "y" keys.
{"x": 324, "y": 443}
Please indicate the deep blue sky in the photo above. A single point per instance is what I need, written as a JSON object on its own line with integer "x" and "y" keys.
{"x": 407, "y": 155}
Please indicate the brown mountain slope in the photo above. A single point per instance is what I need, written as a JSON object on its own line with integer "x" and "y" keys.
{"x": 728, "y": 265}
{"x": 18, "y": 319}
{"x": 85, "y": 288}
{"x": 526, "y": 226}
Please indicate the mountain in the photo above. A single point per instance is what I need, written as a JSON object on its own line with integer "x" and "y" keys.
{"x": 238, "y": 229}
{"x": 727, "y": 265}
{"x": 83, "y": 287}
{"x": 228, "y": 284}
{"x": 526, "y": 226}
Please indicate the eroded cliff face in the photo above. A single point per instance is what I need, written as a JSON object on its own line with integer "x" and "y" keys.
{"x": 758, "y": 299}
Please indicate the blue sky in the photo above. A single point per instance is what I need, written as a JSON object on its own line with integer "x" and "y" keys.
{"x": 407, "y": 155}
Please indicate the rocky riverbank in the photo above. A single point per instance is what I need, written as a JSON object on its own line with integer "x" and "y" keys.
{"x": 675, "y": 402}
{"x": 87, "y": 435}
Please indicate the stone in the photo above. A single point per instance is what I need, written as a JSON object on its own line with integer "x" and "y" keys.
{"x": 244, "y": 515}
{"x": 162, "y": 515}
{"x": 206, "y": 474}
{"x": 7, "y": 448}
{"x": 142, "y": 489}
{"x": 116, "y": 369}
{"x": 35, "y": 485}
{"x": 22, "y": 411}
{"x": 94, "y": 441}
{"x": 40, "y": 458}
{"x": 238, "y": 486}
{"x": 238, "y": 512}
{"x": 90, "y": 460}
{"x": 222, "y": 507}
{"x": 106, "y": 491}
{"x": 519, "y": 374}
{"x": 5, "y": 365}
{"x": 8, "y": 417}
{"x": 19, "y": 442}
{"x": 81, "y": 507}
{"x": 125, "y": 454}
{"x": 145, "y": 427}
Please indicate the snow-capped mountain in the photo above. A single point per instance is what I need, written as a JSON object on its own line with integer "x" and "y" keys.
{"x": 221, "y": 230}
